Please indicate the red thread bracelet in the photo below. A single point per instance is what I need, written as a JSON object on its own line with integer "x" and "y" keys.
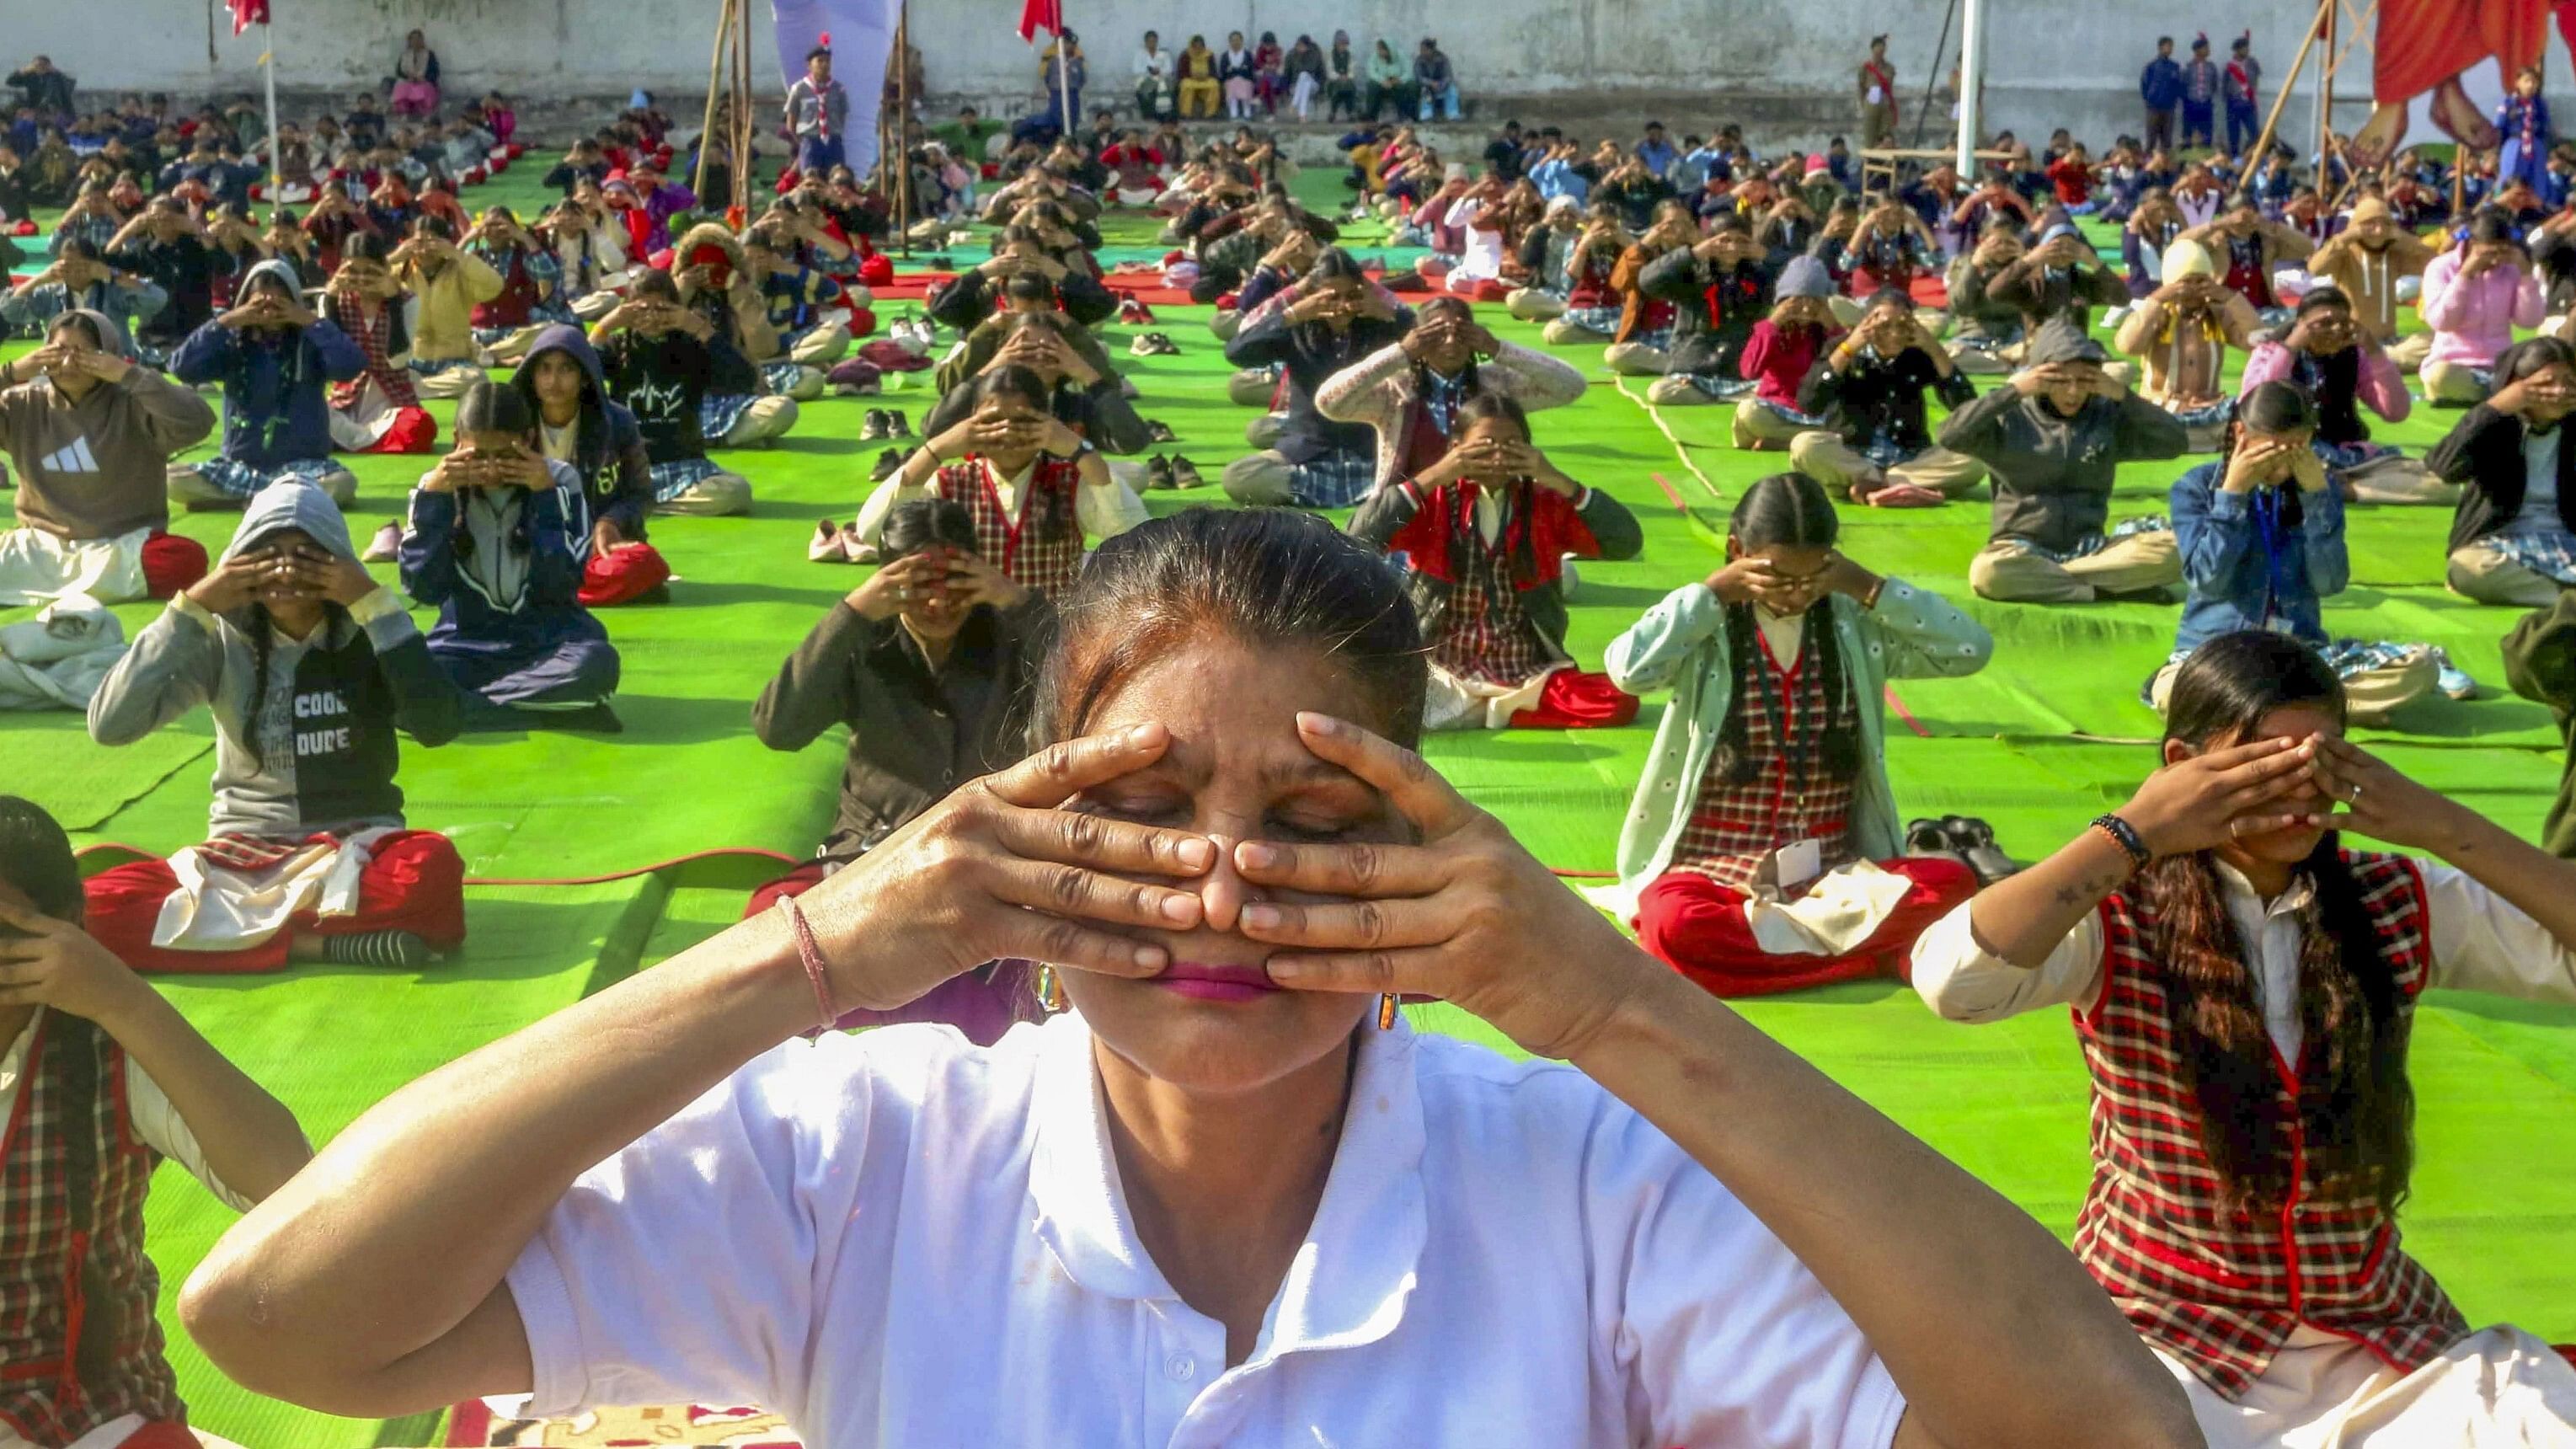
{"x": 812, "y": 956}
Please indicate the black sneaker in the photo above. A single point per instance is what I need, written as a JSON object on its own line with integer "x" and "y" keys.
{"x": 889, "y": 463}
{"x": 1158, "y": 431}
{"x": 1158, "y": 472}
{"x": 872, "y": 426}
{"x": 1930, "y": 840}
{"x": 1974, "y": 840}
{"x": 897, "y": 425}
{"x": 1185, "y": 474}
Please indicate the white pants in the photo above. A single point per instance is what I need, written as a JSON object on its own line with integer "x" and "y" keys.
{"x": 1303, "y": 96}
{"x": 2499, "y": 1388}
{"x": 36, "y": 567}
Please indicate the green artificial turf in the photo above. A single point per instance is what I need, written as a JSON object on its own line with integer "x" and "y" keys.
{"x": 2034, "y": 744}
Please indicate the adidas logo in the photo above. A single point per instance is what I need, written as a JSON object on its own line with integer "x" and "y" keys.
{"x": 72, "y": 457}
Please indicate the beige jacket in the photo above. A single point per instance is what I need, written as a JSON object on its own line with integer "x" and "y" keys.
{"x": 1379, "y": 390}
{"x": 443, "y": 329}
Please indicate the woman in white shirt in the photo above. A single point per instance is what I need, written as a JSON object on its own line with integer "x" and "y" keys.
{"x": 2243, "y": 987}
{"x": 1227, "y": 1198}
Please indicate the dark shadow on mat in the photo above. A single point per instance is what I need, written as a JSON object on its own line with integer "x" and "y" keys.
{"x": 650, "y": 719}
{"x": 830, "y": 583}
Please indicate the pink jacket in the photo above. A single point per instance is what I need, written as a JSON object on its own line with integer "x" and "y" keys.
{"x": 2473, "y": 318}
{"x": 2382, "y": 386}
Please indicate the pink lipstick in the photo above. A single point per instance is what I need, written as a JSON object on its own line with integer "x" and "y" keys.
{"x": 1205, "y": 981}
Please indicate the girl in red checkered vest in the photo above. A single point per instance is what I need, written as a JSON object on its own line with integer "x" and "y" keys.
{"x": 99, "y": 1081}
{"x": 1485, "y": 533}
{"x": 2243, "y": 986}
{"x": 1762, "y": 852}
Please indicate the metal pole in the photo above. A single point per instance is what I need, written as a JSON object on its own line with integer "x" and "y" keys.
{"x": 1932, "y": 74}
{"x": 1972, "y": 74}
{"x": 2289, "y": 83}
{"x": 1063, "y": 75}
{"x": 901, "y": 152}
{"x": 2325, "y": 81}
{"x": 715, "y": 70}
{"x": 268, "y": 64}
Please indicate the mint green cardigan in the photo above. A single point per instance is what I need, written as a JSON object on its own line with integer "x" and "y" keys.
{"x": 1912, "y": 634}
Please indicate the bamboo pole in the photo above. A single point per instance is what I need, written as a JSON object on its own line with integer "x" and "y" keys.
{"x": 1932, "y": 74}
{"x": 901, "y": 191}
{"x": 715, "y": 69}
{"x": 742, "y": 126}
{"x": 2272, "y": 122}
{"x": 2327, "y": 14}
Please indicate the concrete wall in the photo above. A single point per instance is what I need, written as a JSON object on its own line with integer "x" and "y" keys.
{"x": 1782, "y": 67}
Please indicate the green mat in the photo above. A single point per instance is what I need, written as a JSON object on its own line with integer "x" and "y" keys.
{"x": 2490, "y": 1213}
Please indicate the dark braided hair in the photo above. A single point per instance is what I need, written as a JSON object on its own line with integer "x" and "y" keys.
{"x": 1793, "y": 509}
{"x": 2357, "y": 1106}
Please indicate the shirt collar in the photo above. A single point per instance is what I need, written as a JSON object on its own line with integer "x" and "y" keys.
{"x": 2240, "y": 892}
{"x": 1348, "y": 1283}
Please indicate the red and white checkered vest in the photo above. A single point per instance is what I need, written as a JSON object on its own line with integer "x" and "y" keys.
{"x": 2222, "y": 1290}
{"x": 1042, "y": 548}
{"x": 78, "y": 1343}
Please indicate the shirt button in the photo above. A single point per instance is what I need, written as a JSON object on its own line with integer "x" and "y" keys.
{"x": 1181, "y": 1367}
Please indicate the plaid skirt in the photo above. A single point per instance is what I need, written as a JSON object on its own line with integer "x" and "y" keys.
{"x": 433, "y": 369}
{"x": 718, "y": 412}
{"x": 2348, "y": 658}
{"x": 2214, "y": 413}
{"x": 1719, "y": 385}
{"x": 240, "y": 480}
{"x": 1604, "y": 320}
{"x": 1788, "y": 414}
{"x": 1335, "y": 479}
{"x": 2152, "y": 523}
{"x": 2352, "y": 455}
{"x": 678, "y": 476}
{"x": 2551, "y": 555}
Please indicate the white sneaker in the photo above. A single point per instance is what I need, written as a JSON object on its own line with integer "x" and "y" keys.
{"x": 385, "y": 547}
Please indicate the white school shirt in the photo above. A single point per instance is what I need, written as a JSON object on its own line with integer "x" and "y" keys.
{"x": 900, "y": 1238}
{"x": 2480, "y": 942}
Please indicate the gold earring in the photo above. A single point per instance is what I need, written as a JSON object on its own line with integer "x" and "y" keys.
{"x": 1386, "y": 1011}
{"x": 1050, "y": 989}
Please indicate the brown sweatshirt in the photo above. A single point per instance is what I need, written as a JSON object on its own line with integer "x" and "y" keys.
{"x": 98, "y": 468}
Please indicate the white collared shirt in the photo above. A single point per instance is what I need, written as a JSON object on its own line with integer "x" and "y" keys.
{"x": 2480, "y": 942}
{"x": 899, "y": 1238}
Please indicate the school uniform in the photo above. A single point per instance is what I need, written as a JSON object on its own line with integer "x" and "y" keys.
{"x": 277, "y": 413}
{"x": 1776, "y": 361}
{"x": 1311, "y": 461}
{"x": 2513, "y": 537}
{"x": 377, "y": 409}
{"x": 306, "y": 836}
{"x": 1714, "y": 312}
{"x": 1412, "y": 409}
{"x": 1507, "y": 1231}
{"x": 605, "y": 446}
{"x": 2268, "y": 559}
{"x": 503, "y": 567}
{"x": 2342, "y": 384}
{"x": 1030, "y": 526}
{"x": 85, "y": 1129}
{"x": 1872, "y": 420}
{"x": 664, "y": 381}
{"x": 1789, "y": 877}
{"x": 2300, "y": 1319}
{"x": 1485, "y": 567}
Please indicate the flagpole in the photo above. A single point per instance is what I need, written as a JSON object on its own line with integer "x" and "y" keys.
{"x": 1063, "y": 74}
{"x": 268, "y": 65}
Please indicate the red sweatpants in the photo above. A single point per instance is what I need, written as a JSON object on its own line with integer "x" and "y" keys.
{"x": 413, "y": 882}
{"x": 1697, "y": 927}
{"x": 622, "y": 574}
{"x": 171, "y": 563}
{"x": 413, "y": 431}
{"x": 1574, "y": 700}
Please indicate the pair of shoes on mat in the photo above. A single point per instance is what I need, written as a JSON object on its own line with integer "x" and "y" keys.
{"x": 914, "y": 335}
{"x": 888, "y": 463}
{"x": 1155, "y": 344}
{"x": 884, "y": 423}
{"x": 386, "y": 546}
{"x": 1963, "y": 838}
{"x": 1158, "y": 431}
{"x": 2453, "y": 681}
{"x": 833, "y": 543}
{"x": 1171, "y": 470}
{"x": 1133, "y": 311}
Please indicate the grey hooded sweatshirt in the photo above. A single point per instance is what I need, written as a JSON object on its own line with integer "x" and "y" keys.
{"x": 304, "y": 728}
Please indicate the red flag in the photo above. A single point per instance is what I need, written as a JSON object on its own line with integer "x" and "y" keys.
{"x": 1035, "y": 15}
{"x": 247, "y": 13}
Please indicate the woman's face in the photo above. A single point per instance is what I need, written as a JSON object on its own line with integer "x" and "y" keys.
{"x": 1236, "y": 770}
{"x": 558, "y": 381}
{"x": 414, "y": 40}
{"x": 2295, "y": 844}
{"x": 1012, "y": 408}
{"x": 1234, "y": 40}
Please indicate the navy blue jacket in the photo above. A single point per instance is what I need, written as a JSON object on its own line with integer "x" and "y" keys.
{"x": 277, "y": 407}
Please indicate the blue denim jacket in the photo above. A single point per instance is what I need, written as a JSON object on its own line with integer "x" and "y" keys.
{"x": 2247, "y": 567}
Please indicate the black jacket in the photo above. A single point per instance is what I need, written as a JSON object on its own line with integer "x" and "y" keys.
{"x": 2483, "y": 453}
{"x": 1714, "y": 308}
{"x": 1878, "y": 396}
{"x": 1311, "y": 354}
{"x": 915, "y": 734}
{"x": 661, "y": 380}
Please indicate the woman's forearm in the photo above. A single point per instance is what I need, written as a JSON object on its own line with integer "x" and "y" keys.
{"x": 408, "y": 1221}
{"x": 2541, "y": 884}
{"x": 1994, "y": 1333}
{"x": 2025, "y": 916}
